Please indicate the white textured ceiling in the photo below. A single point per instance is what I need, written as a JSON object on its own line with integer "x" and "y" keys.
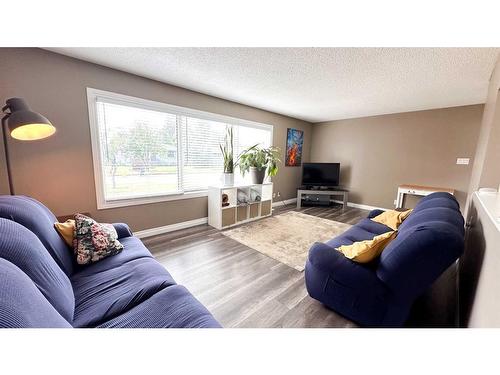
{"x": 314, "y": 84}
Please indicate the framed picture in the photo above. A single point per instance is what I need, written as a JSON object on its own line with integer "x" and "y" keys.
{"x": 294, "y": 142}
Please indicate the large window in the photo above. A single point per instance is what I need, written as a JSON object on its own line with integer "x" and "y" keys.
{"x": 147, "y": 151}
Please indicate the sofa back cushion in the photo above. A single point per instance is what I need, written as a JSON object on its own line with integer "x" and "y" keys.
{"x": 22, "y": 305}
{"x": 440, "y": 214}
{"x": 39, "y": 220}
{"x": 22, "y": 248}
{"x": 437, "y": 201}
{"x": 428, "y": 242}
{"x": 439, "y": 195}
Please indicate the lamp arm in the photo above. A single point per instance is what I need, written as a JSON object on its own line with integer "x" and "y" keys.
{"x": 6, "y": 149}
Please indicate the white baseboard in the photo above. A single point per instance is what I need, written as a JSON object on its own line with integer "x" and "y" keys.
{"x": 170, "y": 228}
{"x": 204, "y": 220}
{"x": 363, "y": 206}
{"x": 188, "y": 224}
{"x": 286, "y": 201}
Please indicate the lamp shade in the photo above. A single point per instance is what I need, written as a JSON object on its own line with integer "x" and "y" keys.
{"x": 25, "y": 124}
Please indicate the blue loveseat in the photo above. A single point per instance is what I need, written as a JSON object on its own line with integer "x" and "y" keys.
{"x": 42, "y": 286}
{"x": 381, "y": 293}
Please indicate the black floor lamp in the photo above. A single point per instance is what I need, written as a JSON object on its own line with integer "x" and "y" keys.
{"x": 22, "y": 124}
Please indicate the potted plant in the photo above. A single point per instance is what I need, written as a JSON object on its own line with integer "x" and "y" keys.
{"x": 259, "y": 160}
{"x": 227, "y": 155}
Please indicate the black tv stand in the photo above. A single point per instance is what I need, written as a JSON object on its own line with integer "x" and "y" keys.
{"x": 315, "y": 188}
{"x": 328, "y": 190}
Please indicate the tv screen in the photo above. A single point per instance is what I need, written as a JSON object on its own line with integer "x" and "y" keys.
{"x": 320, "y": 174}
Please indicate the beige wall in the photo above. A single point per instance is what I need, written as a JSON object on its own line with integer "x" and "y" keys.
{"x": 485, "y": 171}
{"x": 381, "y": 152}
{"x": 58, "y": 171}
{"x": 490, "y": 174}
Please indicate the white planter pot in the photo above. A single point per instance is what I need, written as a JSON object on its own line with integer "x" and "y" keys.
{"x": 228, "y": 179}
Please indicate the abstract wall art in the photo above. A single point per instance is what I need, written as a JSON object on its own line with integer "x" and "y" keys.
{"x": 294, "y": 142}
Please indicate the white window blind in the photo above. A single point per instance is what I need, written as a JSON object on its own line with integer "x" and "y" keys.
{"x": 138, "y": 151}
{"x": 202, "y": 159}
{"x": 148, "y": 149}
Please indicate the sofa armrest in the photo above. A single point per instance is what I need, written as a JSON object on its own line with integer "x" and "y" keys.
{"x": 123, "y": 230}
{"x": 344, "y": 270}
{"x": 374, "y": 213}
{"x": 351, "y": 289}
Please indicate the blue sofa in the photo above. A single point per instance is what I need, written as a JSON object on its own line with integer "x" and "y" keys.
{"x": 381, "y": 293}
{"x": 42, "y": 286}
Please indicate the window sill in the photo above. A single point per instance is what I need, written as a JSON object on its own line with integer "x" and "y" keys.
{"x": 148, "y": 200}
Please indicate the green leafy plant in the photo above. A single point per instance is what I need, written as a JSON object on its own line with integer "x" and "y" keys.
{"x": 260, "y": 158}
{"x": 227, "y": 151}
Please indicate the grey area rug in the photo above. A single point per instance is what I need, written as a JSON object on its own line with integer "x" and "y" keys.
{"x": 287, "y": 237}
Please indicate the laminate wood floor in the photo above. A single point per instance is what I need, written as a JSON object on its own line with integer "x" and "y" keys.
{"x": 240, "y": 286}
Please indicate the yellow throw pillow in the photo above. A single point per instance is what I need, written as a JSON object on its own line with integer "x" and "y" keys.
{"x": 392, "y": 218}
{"x": 66, "y": 230}
{"x": 366, "y": 251}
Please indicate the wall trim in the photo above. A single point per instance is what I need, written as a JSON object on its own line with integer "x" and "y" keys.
{"x": 364, "y": 206}
{"x": 283, "y": 202}
{"x": 170, "y": 228}
{"x": 204, "y": 220}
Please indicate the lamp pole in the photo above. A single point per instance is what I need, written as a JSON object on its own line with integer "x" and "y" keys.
{"x": 6, "y": 149}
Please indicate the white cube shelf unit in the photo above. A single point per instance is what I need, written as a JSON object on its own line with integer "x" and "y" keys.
{"x": 235, "y": 213}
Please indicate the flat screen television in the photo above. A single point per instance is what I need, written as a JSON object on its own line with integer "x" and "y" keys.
{"x": 320, "y": 174}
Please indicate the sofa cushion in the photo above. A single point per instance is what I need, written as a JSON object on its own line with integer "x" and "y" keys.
{"x": 94, "y": 241}
{"x": 173, "y": 307}
{"x": 66, "y": 230}
{"x": 440, "y": 214}
{"x": 366, "y": 229}
{"x": 22, "y": 305}
{"x": 367, "y": 250}
{"x": 133, "y": 249}
{"x": 102, "y": 294}
{"x": 21, "y": 247}
{"x": 439, "y": 195}
{"x": 38, "y": 219}
{"x": 372, "y": 226}
{"x": 437, "y": 202}
{"x": 392, "y": 218}
{"x": 418, "y": 255}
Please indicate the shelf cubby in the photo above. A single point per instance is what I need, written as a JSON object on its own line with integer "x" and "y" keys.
{"x": 254, "y": 210}
{"x": 231, "y": 195}
{"x": 242, "y": 213}
{"x": 229, "y": 217}
{"x": 239, "y": 211}
{"x": 265, "y": 208}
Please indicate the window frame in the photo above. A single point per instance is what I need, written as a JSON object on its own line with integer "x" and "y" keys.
{"x": 111, "y": 97}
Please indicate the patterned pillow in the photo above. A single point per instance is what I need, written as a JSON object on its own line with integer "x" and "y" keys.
{"x": 94, "y": 241}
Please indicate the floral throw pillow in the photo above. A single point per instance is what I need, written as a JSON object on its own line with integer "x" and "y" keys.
{"x": 94, "y": 241}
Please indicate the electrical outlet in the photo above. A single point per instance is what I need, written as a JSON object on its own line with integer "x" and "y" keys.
{"x": 395, "y": 201}
{"x": 463, "y": 161}
{"x": 274, "y": 195}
